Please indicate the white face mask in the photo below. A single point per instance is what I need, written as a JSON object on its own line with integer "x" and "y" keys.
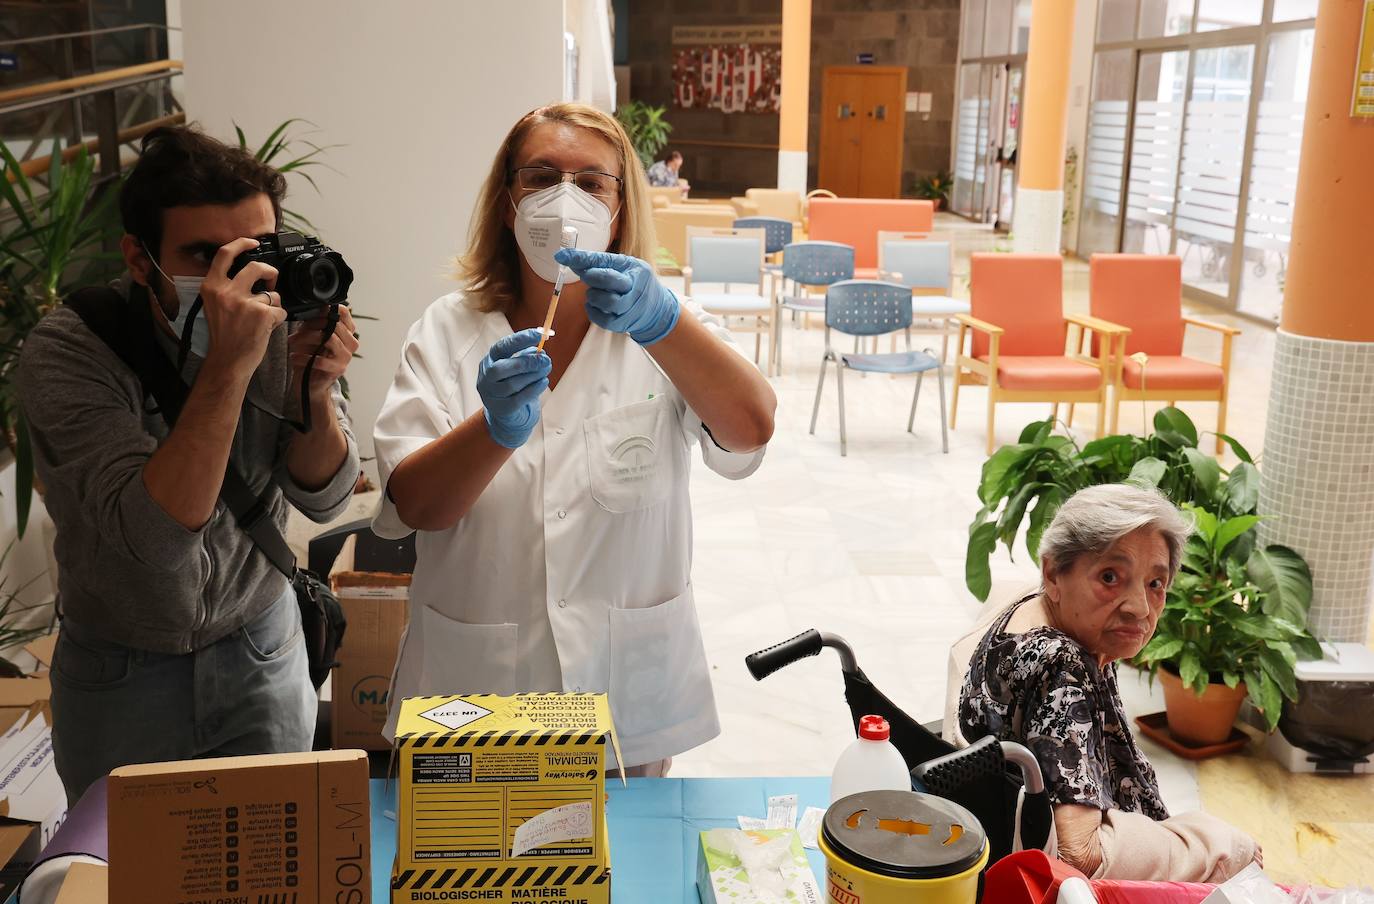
{"x": 188, "y": 290}
{"x": 539, "y": 222}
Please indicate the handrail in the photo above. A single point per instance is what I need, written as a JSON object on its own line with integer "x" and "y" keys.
{"x": 737, "y": 145}
{"x": 40, "y": 165}
{"x": 88, "y": 81}
{"x": 16, "y": 42}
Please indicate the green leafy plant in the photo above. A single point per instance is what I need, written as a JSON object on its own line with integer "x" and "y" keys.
{"x": 935, "y": 187}
{"x": 647, "y": 128}
{"x": 278, "y": 150}
{"x": 1234, "y": 614}
{"x": 1026, "y": 482}
{"x": 53, "y": 238}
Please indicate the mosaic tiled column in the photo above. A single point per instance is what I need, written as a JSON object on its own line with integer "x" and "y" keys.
{"x": 1317, "y": 490}
{"x": 1038, "y": 219}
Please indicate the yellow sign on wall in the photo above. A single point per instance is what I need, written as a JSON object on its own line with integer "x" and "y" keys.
{"x": 1362, "y": 101}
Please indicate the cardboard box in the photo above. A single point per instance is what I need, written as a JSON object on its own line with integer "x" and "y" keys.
{"x": 512, "y": 885}
{"x": 241, "y": 830}
{"x": 376, "y": 606}
{"x": 510, "y": 788}
{"x": 86, "y": 883}
{"x": 723, "y": 879}
{"x": 33, "y": 802}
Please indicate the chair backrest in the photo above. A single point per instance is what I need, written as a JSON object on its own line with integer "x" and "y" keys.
{"x": 857, "y": 221}
{"x": 867, "y": 307}
{"x": 1024, "y": 295}
{"x": 725, "y": 255}
{"x": 672, "y": 194}
{"x": 817, "y": 263}
{"x": 776, "y": 202}
{"x": 921, "y": 264}
{"x": 777, "y": 233}
{"x": 671, "y": 224}
{"x": 1143, "y": 292}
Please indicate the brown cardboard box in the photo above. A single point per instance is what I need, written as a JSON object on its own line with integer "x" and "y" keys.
{"x": 281, "y": 828}
{"x": 376, "y": 606}
{"x": 33, "y": 802}
{"x": 86, "y": 883}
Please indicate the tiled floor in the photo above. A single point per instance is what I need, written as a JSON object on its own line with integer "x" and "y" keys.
{"x": 871, "y": 547}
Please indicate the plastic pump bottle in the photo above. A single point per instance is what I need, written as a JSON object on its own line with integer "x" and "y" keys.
{"x": 871, "y": 763}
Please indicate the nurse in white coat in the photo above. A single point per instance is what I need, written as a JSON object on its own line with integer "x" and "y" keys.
{"x": 550, "y": 489}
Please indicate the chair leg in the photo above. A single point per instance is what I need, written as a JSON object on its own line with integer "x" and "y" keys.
{"x": 758, "y": 345}
{"x": 777, "y": 340}
{"x": 992, "y": 420}
{"x": 944, "y": 431}
{"x": 911, "y": 419}
{"x": 954, "y": 407}
{"x": 1054, "y": 412}
{"x": 944, "y": 346}
{"x": 1069, "y": 422}
{"x": 839, "y": 381}
{"x": 1221, "y": 424}
{"x": 820, "y": 386}
{"x": 1116, "y": 413}
{"x": 1101, "y": 413}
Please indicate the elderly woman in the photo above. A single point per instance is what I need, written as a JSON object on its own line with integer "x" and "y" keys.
{"x": 1044, "y": 675}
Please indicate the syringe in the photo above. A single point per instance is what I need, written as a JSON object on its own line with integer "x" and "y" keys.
{"x": 567, "y": 240}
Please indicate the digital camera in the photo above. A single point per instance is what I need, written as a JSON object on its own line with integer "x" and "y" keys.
{"x": 310, "y": 275}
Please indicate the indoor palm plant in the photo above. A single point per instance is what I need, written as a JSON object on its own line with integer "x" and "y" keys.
{"x": 53, "y": 238}
{"x": 1232, "y": 627}
{"x": 647, "y": 128}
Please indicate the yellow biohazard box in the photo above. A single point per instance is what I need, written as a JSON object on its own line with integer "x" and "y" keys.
{"x": 502, "y": 794}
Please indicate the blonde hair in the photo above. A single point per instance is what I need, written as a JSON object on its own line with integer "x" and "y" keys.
{"x": 490, "y": 267}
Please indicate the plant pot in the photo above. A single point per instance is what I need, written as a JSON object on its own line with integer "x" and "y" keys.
{"x": 1200, "y": 721}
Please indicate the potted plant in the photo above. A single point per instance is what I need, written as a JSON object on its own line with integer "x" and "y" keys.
{"x": 53, "y": 238}
{"x": 647, "y": 128}
{"x": 1026, "y": 482}
{"x": 935, "y": 187}
{"x": 1232, "y": 627}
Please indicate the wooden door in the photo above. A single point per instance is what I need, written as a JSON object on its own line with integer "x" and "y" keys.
{"x": 862, "y": 124}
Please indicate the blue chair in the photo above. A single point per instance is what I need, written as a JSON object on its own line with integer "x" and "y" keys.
{"x": 860, "y": 308}
{"x": 927, "y": 267}
{"x": 777, "y": 233}
{"x": 730, "y": 257}
{"x": 807, "y": 264}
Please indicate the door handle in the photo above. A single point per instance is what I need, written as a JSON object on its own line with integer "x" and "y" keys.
{"x": 880, "y": 112}
{"x": 844, "y": 112}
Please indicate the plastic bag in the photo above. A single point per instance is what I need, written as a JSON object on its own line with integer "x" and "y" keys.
{"x": 1332, "y": 719}
{"x": 1252, "y": 886}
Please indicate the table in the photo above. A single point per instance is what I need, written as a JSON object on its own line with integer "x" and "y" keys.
{"x": 654, "y": 824}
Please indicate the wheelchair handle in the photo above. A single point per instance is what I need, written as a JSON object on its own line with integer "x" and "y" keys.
{"x": 808, "y": 643}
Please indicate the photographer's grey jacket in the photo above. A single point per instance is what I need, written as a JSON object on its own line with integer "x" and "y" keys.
{"x": 127, "y": 569}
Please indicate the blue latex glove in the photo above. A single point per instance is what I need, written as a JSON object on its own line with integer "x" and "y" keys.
{"x": 623, "y": 294}
{"x": 510, "y": 381}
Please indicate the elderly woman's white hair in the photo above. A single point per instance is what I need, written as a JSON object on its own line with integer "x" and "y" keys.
{"x": 1097, "y": 517}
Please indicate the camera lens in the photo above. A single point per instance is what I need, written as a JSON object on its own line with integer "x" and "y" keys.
{"x": 323, "y": 279}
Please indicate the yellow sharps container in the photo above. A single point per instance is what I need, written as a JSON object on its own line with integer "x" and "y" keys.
{"x": 900, "y": 847}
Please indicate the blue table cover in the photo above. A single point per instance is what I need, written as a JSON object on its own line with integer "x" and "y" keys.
{"x": 654, "y": 823}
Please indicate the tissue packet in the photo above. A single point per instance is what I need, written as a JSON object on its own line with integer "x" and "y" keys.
{"x": 756, "y": 867}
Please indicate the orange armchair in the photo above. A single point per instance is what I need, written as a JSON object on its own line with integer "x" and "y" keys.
{"x": 1018, "y": 331}
{"x": 1144, "y": 293}
{"x": 857, "y": 221}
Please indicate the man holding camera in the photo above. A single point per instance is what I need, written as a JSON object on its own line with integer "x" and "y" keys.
{"x": 179, "y": 637}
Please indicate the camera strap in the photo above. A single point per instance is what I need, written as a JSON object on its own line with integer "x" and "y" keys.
{"x": 331, "y": 324}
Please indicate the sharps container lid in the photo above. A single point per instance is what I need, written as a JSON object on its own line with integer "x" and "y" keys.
{"x": 904, "y": 834}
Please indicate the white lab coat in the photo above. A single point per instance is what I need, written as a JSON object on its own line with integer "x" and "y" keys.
{"x": 572, "y": 572}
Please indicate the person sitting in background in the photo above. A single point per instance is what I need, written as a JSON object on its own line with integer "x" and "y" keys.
{"x": 1044, "y": 675}
{"x": 179, "y": 638}
{"x": 664, "y": 173}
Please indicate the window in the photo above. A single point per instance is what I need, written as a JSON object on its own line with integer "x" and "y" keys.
{"x": 1159, "y": 18}
{"x": 1115, "y": 20}
{"x": 1105, "y": 151}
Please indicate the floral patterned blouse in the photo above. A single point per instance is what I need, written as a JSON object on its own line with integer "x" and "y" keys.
{"x": 1043, "y": 690}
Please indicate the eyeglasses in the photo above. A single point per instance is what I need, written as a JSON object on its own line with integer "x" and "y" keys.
{"x": 600, "y": 185}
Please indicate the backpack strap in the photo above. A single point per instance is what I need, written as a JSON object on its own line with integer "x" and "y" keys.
{"x": 126, "y": 326}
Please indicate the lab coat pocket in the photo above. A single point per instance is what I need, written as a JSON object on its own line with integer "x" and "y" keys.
{"x": 630, "y": 456}
{"x": 467, "y": 659}
{"x": 661, "y": 698}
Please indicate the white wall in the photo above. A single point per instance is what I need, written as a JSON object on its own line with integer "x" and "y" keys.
{"x": 419, "y": 94}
